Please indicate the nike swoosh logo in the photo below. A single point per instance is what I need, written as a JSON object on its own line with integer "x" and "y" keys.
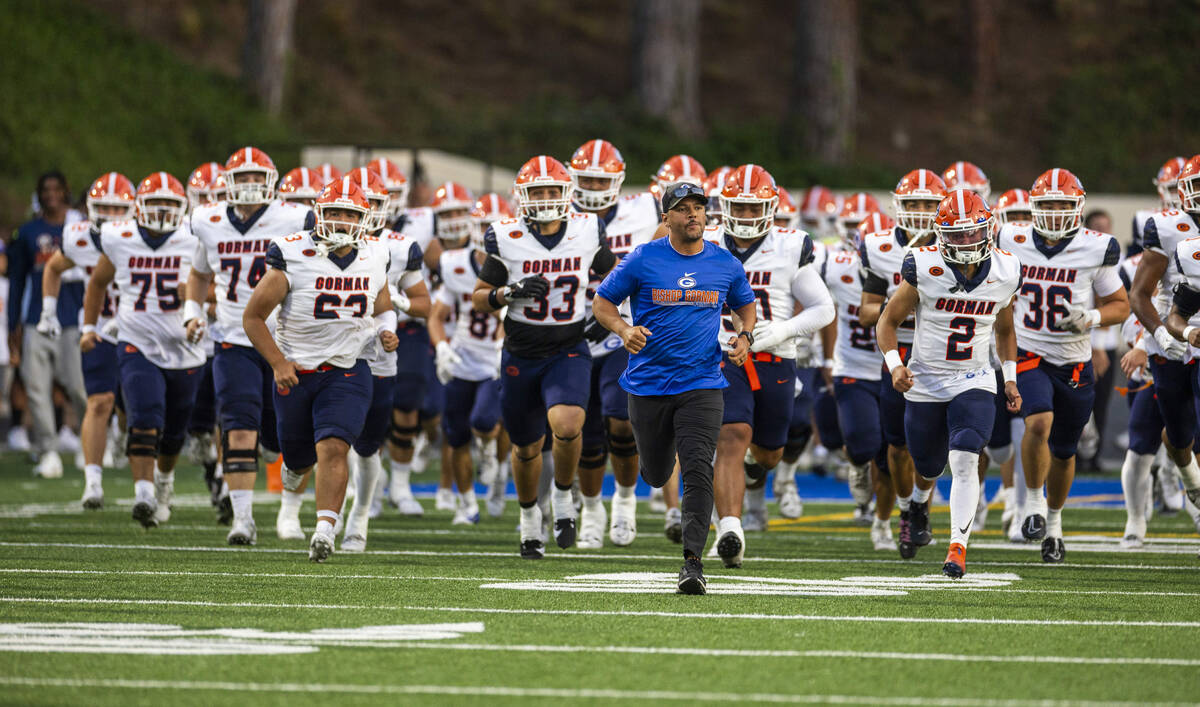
{"x": 349, "y": 375}
{"x": 688, "y": 274}
{"x": 965, "y": 530}
{"x": 572, "y": 355}
{"x": 781, "y": 381}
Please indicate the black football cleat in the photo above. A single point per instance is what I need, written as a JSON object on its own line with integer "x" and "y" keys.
{"x": 532, "y": 549}
{"x": 918, "y": 515}
{"x": 1034, "y": 527}
{"x": 691, "y": 577}
{"x": 905, "y": 544}
{"x": 143, "y": 512}
{"x": 1053, "y": 550}
{"x": 564, "y": 532}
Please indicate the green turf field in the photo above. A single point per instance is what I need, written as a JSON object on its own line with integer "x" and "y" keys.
{"x": 98, "y": 611}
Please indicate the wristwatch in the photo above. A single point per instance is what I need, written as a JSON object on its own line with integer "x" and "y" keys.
{"x": 749, "y": 336}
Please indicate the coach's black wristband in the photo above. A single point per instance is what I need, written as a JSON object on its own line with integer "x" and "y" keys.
{"x": 749, "y": 336}
{"x": 494, "y": 299}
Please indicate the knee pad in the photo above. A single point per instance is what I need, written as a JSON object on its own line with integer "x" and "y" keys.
{"x": 235, "y": 461}
{"x": 1000, "y": 455}
{"x": 754, "y": 472}
{"x": 291, "y": 480}
{"x": 141, "y": 444}
{"x": 797, "y": 440}
{"x": 402, "y": 437}
{"x": 622, "y": 446}
{"x": 268, "y": 455}
{"x": 170, "y": 446}
{"x": 593, "y": 458}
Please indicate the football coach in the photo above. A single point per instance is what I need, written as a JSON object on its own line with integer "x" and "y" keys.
{"x": 677, "y": 287}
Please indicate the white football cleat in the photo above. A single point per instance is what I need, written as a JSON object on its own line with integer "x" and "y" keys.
{"x": 320, "y": 547}
{"x": 466, "y": 515}
{"x": 859, "y": 480}
{"x": 354, "y": 543}
{"x": 754, "y": 514}
{"x": 591, "y": 528}
{"x": 287, "y": 524}
{"x": 489, "y": 465}
{"x": 420, "y": 457}
{"x": 444, "y": 499}
{"x": 881, "y": 537}
{"x": 143, "y": 512}
{"x": 623, "y": 530}
{"x": 731, "y": 547}
{"x": 18, "y": 439}
{"x": 243, "y": 532}
{"x": 93, "y": 496}
{"x": 657, "y": 504}
{"x": 1132, "y": 542}
{"x": 790, "y": 505}
{"x": 49, "y": 466}
{"x": 164, "y": 495}
{"x": 496, "y": 491}
{"x": 673, "y": 526}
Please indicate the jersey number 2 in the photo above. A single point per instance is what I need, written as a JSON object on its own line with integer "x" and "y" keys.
{"x": 957, "y": 345}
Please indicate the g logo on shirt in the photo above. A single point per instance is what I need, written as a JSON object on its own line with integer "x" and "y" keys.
{"x": 687, "y": 280}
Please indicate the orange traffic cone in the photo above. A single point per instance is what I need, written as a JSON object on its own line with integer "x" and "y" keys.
{"x": 275, "y": 476}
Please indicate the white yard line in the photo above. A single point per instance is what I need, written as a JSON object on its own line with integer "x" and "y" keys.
{"x": 580, "y": 555}
{"x": 552, "y": 693}
{"x": 151, "y": 603}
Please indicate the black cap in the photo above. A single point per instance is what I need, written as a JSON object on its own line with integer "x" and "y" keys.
{"x": 678, "y": 192}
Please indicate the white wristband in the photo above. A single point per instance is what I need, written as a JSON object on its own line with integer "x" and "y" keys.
{"x": 892, "y": 360}
{"x": 1140, "y": 344}
{"x": 49, "y": 304}
{"x": 87, "y": 329}
{"x": 1187, "y": 333}
{"x": 192, "y": 310}
{"x": 1093, "y": 318}
{"x": 385, "y": 322}
{"x": 828, "y": 363}
{"x": 1009, "y": 370}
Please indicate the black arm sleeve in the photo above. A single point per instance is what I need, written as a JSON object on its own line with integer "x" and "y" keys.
{"x": 1187, "y": 300}
{"x": 494, "y": 272}
{"x": 603, "y": 261}
{"x": 908, "y": 269}
{"x": 275, "y": 258}
{"x": 806, "y": 253}
{"x": 872, "y": 283}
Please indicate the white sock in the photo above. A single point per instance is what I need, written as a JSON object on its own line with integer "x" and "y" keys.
{"x": 880, "y": 523}
{"x": 1054, "y": 523}
{"x": 290, "y": 502}
{"x": 369, "y": 470}
{"x": 1035, "y": 502}
{"x": 93, "y": 473}
{"x": 728, "y": 524}
{"x": 327, "y": 520}
{"x": 1135, "y": 486}
{"x": 401, "y": 471}
{"x": 785, "y": 472}
{"x": 592, "y": 503}
{"x": 466, "y": 499}
{"x": 1190, "y": 474}
{"x": 163, "y": 477}
{"x": 1006, "y": 495}
{"x": 242, "y": 500}
{"x": 904, "y": 503}
{"x": 143, "y": 490}
{"x": 921, "y": 495}
{"x": 531, "y": 522}
{"x": 625, "y": 492}
{"x": 561, "y": 503}
{"x": 964, "y": 494}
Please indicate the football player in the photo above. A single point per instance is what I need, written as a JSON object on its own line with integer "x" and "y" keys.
{"x": 300, "y": 186}
{"x": 1166, "y": 183}
{"x": 206, "y": 185}
{"x": 537, "y": 267}
{"x": 231, "y": 254}
{"x": 332, "y": 290}
{"x": 1182, "y": 322}
{"x": 404, "y": 260}
{"x": 1071, "y": 285}
{"x": 961, "y": 288}
{"x": 967, "y": 175}
{"x": 759, "y": 399}
{"x": 915, "y": 201}
{"x": 110, "y": 198}
{"x": 597, "y": 171}
{"x": 1013, "y": 205}
{"x": 819, "y": 208}
{"x": 159, "y": 365}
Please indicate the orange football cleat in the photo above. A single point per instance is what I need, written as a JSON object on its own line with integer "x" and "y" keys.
{"x": 956, "y": 561}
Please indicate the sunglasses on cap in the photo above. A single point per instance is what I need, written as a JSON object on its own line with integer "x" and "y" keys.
{"x": 679, "y": 192}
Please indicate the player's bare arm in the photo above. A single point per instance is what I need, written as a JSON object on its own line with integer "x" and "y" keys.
{"x": 898, "y": 308}
{"x": 828, "y": 343}
{"x": 419, "y": 304}
{"x": 93, "y": 301}
{"x": 199, "y": 289}
{"x": 870, "y": 308}
{"x": 1006, "y": 347}
{"x": 385, "y": 317}
{"x": 269, "y": 294}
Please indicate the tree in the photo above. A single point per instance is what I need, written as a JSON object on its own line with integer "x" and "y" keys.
{"x": 981, "y": 23}
{"x": 264, "y": 54}
{"x": 666, "y": 62}
{"x": 824, "y": 95}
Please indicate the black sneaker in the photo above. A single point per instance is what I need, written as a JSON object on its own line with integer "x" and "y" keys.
{"x": 564, "y": 532}
{"x": 1053, "y": 550}
{"x": 905, "y": 544}
{"x": 224, "y": 510}
{"x": 1034, "y": 527}
{"x": 532, "y": 549}
{"x": 691, "y": 577}
{"x": 213, "y": 482}
{"x": 143, "y": 512}
{"x": 918, "y": 515}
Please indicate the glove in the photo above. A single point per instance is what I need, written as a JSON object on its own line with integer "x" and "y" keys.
{"x": 445, "y": 359}
{"x": 109, "y": 330}
{"x": 594, "y": 331}
{"x": 1079, "y": 320}
{"x": 768, "y": 335}
{"x": 48, "y": 324}
{"x": 531, "y": 287}
{"x": 1172, "y": 348}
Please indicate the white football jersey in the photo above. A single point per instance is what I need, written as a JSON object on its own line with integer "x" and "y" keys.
{"x": 81, "y": 245}
{"x": 634, "y": 220}
{"x": 1055, "y": 278}
{"x": 772, "y": 263}
{"x": 150, "y": 278}
{"x": 403, "y": 259}
{"x": 1162, "y": 233}
{"x": 1140, "y": 217}
{"x": 1186, "y": 264}
{"x": 855, "y": 354}
{"x": 474, "y": 335}
{"x": 235, "y": 254}
{"x": 881, "y": 254}
{"x": 951, "y": 351}
{"x": 326, "y": 317}
{"x": 563, "y": 259}
{"x": 417, "y": 224}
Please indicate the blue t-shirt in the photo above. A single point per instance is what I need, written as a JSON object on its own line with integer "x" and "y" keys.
{"x": 31, "y": 248}
{"x": 679, "y": 299}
